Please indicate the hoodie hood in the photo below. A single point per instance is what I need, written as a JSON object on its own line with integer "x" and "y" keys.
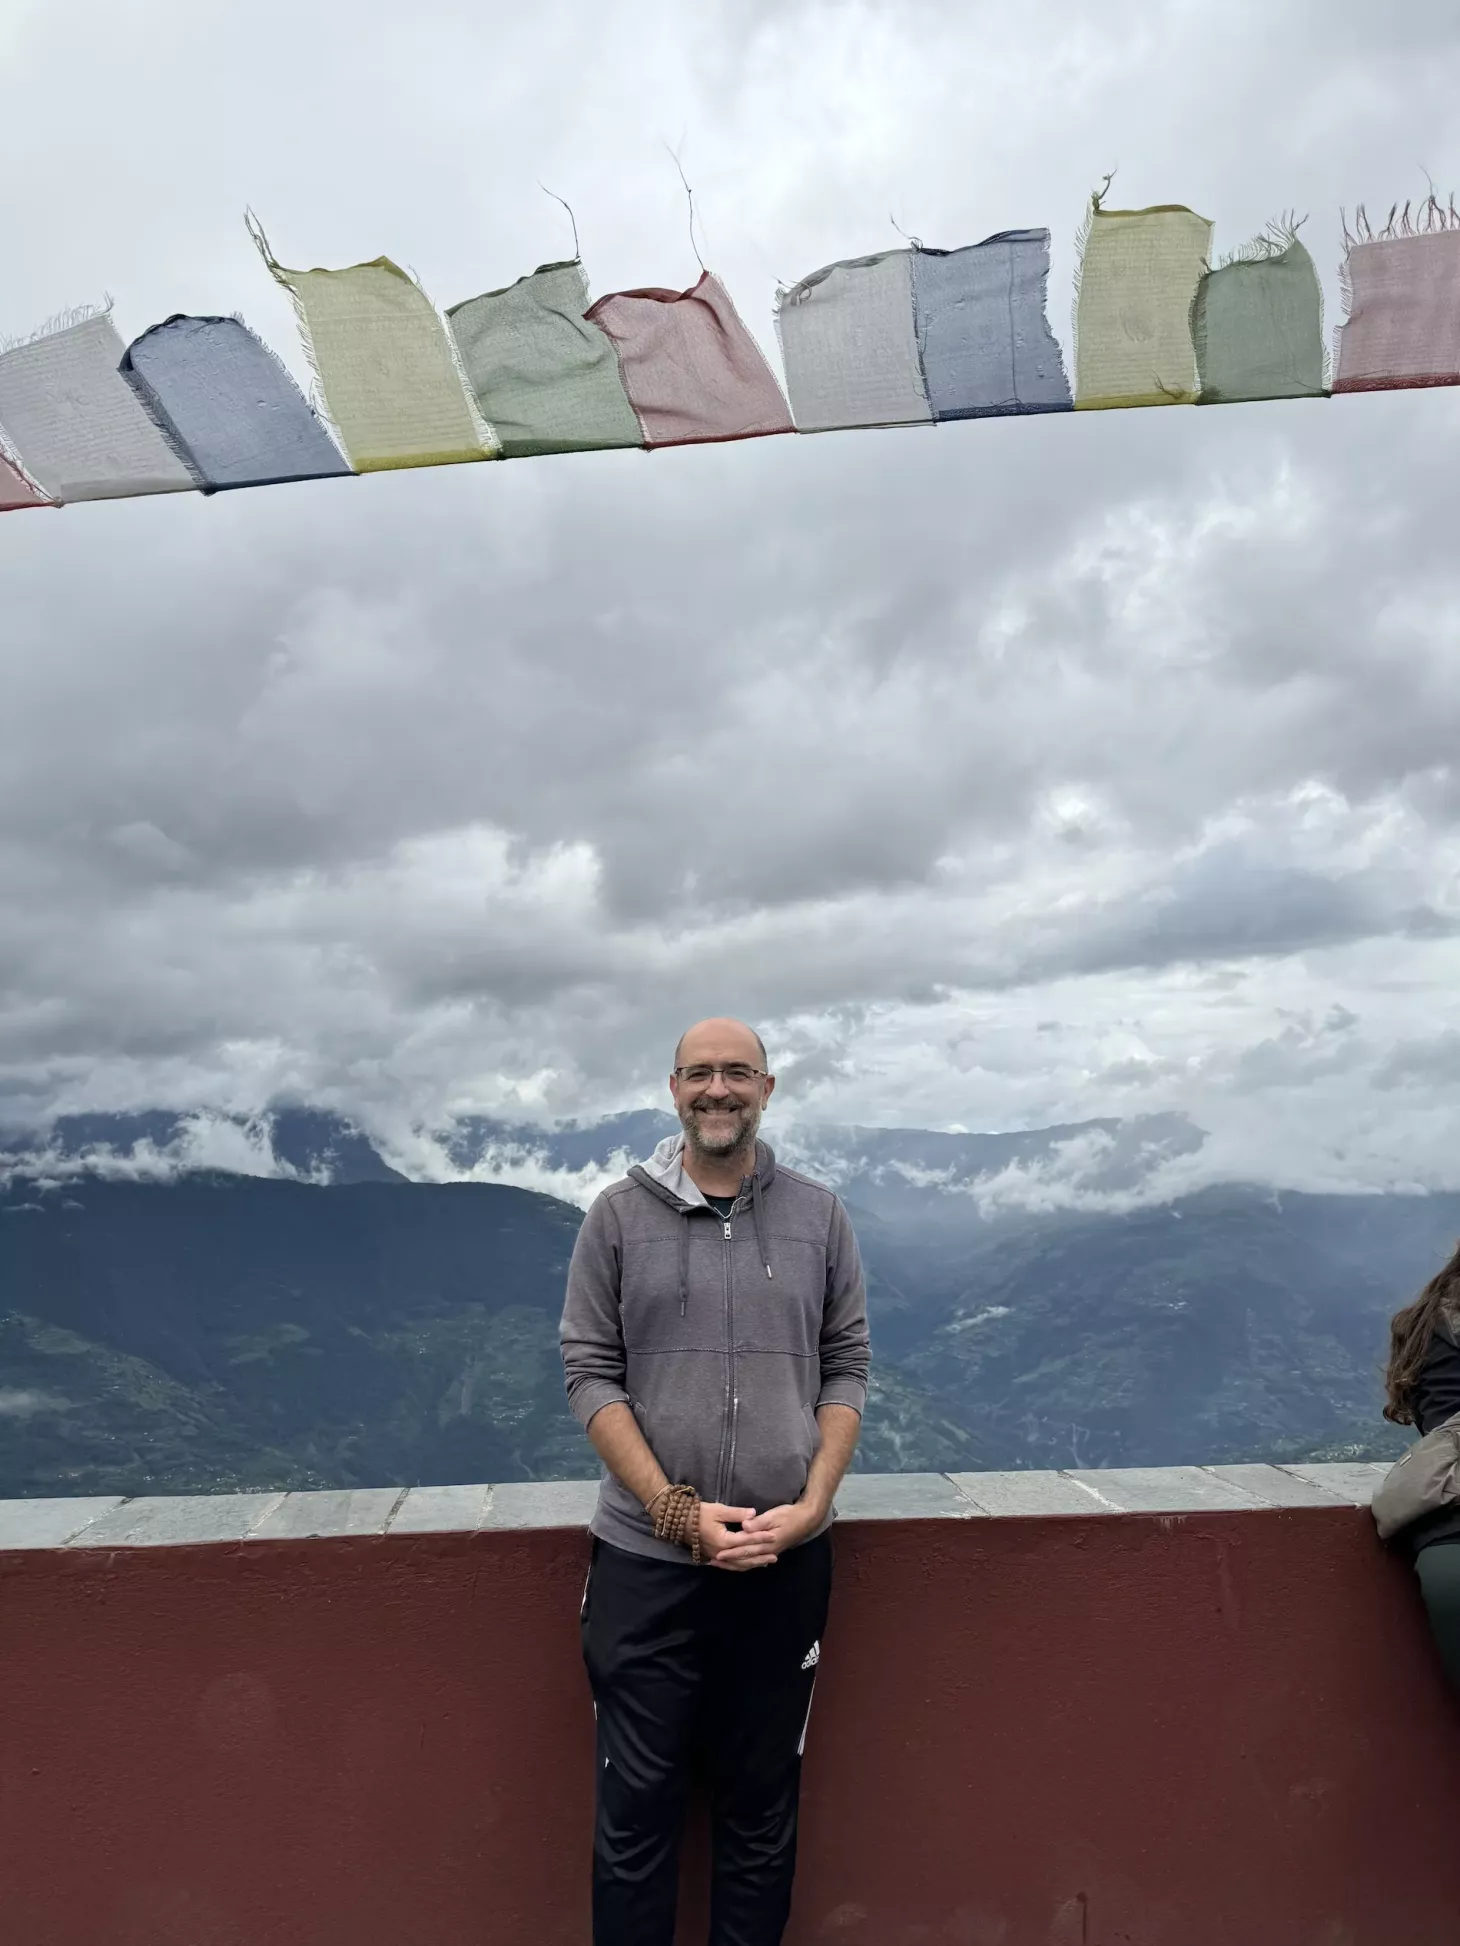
{"x": 666, "y": 1169}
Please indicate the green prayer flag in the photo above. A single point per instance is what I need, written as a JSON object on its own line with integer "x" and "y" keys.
{"x": 545, "y": 379}
{"x": 1257, "y": 325}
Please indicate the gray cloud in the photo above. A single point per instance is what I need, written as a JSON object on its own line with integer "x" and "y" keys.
{"x": 464, "y": 789}
{"x": 1424, "y": 1063}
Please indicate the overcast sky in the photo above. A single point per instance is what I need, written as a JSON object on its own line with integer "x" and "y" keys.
{"x": 1006, "y": 773}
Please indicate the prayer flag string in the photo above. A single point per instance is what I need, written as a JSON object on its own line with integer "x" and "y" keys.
{"x": 915, "y": 336}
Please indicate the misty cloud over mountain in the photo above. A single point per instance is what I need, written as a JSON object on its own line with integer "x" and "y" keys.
{"x": 899, "y": 1174}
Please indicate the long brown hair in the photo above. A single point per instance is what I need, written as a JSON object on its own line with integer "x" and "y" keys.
{"x": 1411, "y": 1333}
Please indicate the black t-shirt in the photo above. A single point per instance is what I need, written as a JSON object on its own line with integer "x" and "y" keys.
{"x": 724, "y": 1204}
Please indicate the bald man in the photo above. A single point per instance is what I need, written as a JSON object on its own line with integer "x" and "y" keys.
{"x": 715, "y": 1346}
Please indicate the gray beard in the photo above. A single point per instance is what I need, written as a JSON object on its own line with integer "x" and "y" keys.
{"x": 743, "y": 1142}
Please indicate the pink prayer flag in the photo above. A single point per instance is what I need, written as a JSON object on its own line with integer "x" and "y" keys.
{"x": 16, "y": 491}
{"x": 1403, "y": 313}
{"x": 691, "y": 369}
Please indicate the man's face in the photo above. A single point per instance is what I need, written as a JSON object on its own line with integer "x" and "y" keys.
{"x": 720, "y": 1111}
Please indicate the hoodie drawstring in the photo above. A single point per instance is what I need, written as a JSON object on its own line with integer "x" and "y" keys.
{"x": 683, "y": 1261}
{"x": 758, "y": 1213}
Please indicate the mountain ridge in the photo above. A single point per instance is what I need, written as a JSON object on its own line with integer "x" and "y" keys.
{"x": 223, "y": 1328}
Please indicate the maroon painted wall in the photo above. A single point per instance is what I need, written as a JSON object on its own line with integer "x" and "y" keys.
{"x": 1216, "y": 1730}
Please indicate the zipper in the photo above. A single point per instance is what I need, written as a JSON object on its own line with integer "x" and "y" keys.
{"x": 723, "y": 1467}
{"x": 734, "y": 1373}
{"x": 732, "y": 1393}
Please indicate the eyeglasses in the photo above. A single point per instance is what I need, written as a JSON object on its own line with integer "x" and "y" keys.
{"x": 736, "y": 1073}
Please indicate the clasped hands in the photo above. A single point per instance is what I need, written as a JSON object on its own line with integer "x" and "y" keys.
{"x": 760, "y": 1538}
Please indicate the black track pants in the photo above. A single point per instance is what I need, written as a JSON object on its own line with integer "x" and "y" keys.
{"x": 1438, "y": 1568}
{"x": 683, "y": 1658}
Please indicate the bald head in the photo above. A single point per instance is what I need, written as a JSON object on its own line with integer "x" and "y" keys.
{"x": 720, "y": 1040}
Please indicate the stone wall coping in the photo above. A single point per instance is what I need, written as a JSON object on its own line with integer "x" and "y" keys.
{"x": 162, "y": 1520}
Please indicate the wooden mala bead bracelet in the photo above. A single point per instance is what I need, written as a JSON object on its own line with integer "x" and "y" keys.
{"x": 678, "y": 1518}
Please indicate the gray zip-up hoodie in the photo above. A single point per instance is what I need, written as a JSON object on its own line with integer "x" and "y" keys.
{"x": 722, "y": 1334}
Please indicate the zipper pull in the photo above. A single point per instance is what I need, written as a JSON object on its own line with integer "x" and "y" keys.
{"x": 727, "y": 1229}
